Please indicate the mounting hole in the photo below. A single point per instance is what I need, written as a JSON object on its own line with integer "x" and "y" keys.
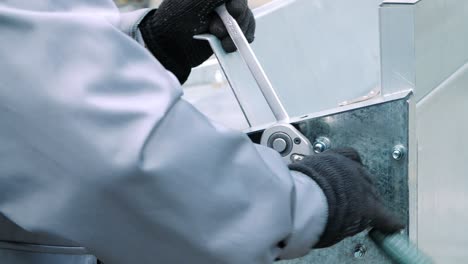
{"x": 359, "y": 251}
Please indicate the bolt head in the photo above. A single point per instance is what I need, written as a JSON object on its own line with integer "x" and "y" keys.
{"x": 321, "y": 144}
{"x": 319, "y": 147}
{"x": 360, "y": 251}
{"x": 398, "y": 152}
{"x": 280, "y": 145}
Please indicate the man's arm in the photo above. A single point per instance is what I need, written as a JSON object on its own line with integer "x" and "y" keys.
{"x": 98, "y": 148}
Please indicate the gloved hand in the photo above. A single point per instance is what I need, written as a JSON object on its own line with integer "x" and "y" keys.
{"x": 353, "y": 202}
{"x": 168, "y": 31}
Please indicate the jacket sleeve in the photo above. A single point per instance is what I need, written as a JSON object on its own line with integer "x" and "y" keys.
{"x": 129, "y": 22}
{"x": 98, "y": 147}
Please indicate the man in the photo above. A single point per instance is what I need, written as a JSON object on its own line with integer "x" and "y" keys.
{"x": 101, "y": 157}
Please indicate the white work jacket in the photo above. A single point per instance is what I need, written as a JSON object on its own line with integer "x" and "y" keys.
{"x": 100, "y": 157}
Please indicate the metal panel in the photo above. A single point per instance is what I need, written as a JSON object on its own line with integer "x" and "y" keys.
{"x": 247, "y": 94}
{"x": 425, "y": 45}
{"x": 18, "y": 253}
{"x": 397, "y": 48}
{"x": 374, "y": 130}
{"x": 442, "y": 129}
{"x": 400, "y": 1}
{"x": 422, "y": 43}
{"x": 301, "y": 45}
{"x": 441, "y": 37}
{"x": 217, "y": 103}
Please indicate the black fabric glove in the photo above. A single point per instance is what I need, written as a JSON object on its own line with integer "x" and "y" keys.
{"x": 168, "y": 31}
{"x": 353, "y": 202}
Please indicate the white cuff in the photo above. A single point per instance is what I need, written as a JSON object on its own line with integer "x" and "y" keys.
{"x": 310, "y": 217}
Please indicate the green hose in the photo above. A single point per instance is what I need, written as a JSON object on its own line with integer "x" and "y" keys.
{"x": 399, "y": 248}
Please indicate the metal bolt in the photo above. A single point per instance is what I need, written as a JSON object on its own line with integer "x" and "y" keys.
{"x": 319, "y": 147}
{"x": 398, "y": 152}
{"x": 360, "y": 251}
{"x": 296, "y": 157}
{"x": 321, "y": 144}
{"x": 279, "y": 145}
{"x": 297, "y": 141}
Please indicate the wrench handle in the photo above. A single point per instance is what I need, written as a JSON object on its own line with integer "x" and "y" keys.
{"x": 253, "y": 64}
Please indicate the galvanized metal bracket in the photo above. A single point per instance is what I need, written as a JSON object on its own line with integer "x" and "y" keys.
{"x": 378, "y": 129}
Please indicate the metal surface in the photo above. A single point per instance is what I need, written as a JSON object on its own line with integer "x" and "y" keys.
{"x": 249, "y": 98}
{"x": 397, "y": 47}
{"x": 441, "y": 38}
{"x": 400, "y": 1}
{"x": 424, "y": 48}
{"x": 310, "y": 59}
{"x": 280, "y": 145}
{"x": 442, "y": 128}
{"x": 247, "y": 54}
{"x": 422, "y": 43}
{"x": 373, "y": 129}
{"x": 297, "y": 143}
{"x": 375, "y": 92}
{"x": 218, "y": 103}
